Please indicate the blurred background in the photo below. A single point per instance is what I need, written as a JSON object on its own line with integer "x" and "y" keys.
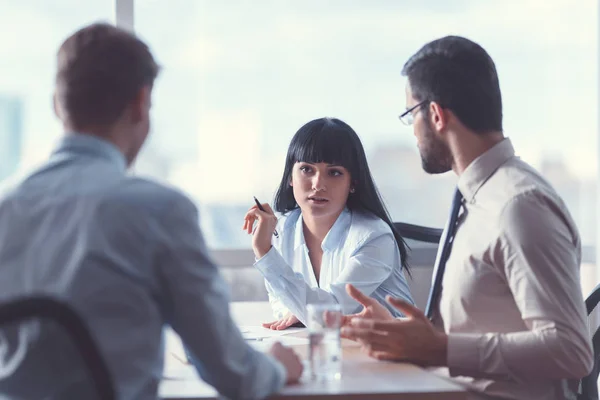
{"x": 240, "y": 77}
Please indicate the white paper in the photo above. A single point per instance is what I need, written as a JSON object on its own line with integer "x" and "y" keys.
{"x": 177, "y": 368}
{"x": 252, "y": 332}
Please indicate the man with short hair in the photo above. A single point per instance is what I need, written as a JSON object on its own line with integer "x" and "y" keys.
{"x": 125, "y": 252}
{"x": 507, "y": 313}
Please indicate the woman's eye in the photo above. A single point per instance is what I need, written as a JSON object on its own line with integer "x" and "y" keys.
{"x": 335, "y": 172}
{"x": 305, "y": 168}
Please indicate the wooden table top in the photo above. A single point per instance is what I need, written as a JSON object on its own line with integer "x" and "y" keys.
{"x": 362, "y": 377}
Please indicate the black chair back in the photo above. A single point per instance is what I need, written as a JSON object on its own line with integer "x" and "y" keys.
{"x": 589, "y": 384}
{"x": 418, "y": 233}
{"x": 42, "y": 308}
{"x": 423, "y": 243}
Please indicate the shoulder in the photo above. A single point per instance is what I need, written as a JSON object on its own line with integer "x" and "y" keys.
{"x": 522, "y": 189}
{"x": 517, "y": 181}
{"x": 139, "y": 195}
{"x": 365, "y": 227}
{"x": 534, "y": 209}
{"x": 530, "y": 208}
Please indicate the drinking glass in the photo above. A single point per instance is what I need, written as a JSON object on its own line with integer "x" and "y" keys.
{"x": 325, "y": 348}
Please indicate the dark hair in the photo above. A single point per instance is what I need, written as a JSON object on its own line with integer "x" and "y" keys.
{"x": 101, "y": 68}
{"x": 332, "y": 141}
{"x": 459, "y": 75}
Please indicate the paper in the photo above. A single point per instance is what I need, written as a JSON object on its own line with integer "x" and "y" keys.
{"x": 258, "y": 333}
{"x": 261, "y": 339}
{"x": 180, "y": 371}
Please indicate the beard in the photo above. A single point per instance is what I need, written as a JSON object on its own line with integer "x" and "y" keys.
{"x": 436, "y": 157}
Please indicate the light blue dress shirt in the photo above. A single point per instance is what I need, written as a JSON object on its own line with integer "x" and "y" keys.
{"x": 359, "y": 249}
{"x": 128, "y": 254}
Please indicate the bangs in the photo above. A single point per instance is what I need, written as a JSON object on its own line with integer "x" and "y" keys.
{"x": 325, "y": 143}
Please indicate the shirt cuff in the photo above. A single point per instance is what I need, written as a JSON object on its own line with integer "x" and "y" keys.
{"x": 270, "y": 265}
{"x": 266, "y": 384}
{"x": 463, "y": 353}
{"x": 281, "y": 375}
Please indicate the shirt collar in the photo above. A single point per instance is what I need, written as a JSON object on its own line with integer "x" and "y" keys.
{"x": 334, "y": 236}
{"x": 299, "y": 232}
{"x": 480, "y": 170}
{"x": 76, "y": 143}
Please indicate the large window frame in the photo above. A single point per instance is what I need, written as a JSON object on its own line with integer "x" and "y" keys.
{"x": 421, "y": 255}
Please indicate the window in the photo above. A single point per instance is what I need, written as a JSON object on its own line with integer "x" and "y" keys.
{"x": 32, "y": 31}
{"x": 239, "y": 81}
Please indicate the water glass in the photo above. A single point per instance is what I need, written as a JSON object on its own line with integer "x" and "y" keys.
{"x": 325, "y": 348}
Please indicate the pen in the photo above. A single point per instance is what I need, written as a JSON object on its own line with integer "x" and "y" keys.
{"x": 263, "y": 210}
{"x": 181, "y": 360}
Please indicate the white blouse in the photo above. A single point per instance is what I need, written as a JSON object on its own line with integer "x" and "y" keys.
{"x": 359, "y": 249}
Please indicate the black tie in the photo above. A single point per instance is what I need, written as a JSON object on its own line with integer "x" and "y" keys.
{"x": 443, "y": 254}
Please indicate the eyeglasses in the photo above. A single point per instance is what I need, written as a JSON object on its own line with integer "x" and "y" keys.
{"x": 407, "y": 117}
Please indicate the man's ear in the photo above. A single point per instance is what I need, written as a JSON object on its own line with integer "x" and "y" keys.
{"x": 56, "y": 106}
{"x": 437, "y": 116}
{"x": 140, "y": 104}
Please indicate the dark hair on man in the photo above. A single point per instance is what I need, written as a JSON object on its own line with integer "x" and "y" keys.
{"x": 333, "y": 141}
{"x": 460, "y": 76}
{"x": 100, "y": 71}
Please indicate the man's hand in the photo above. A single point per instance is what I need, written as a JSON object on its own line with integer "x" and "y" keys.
{"x": 284, "y": 323}
{"x": 290, "y": 361}
{"x": 372, "y": 309}
{"x": 413, "y": 339}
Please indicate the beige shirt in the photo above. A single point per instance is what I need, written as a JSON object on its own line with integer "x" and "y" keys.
{"x": 511, "y": 299}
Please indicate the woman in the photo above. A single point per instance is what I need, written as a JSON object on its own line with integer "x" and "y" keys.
{"x": 334, "y": 229}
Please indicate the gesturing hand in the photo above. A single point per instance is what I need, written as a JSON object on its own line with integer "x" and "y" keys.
{"x": 372, "y": 309}
{"x": 263, "y": 232}
{"x": 412, "y": 339}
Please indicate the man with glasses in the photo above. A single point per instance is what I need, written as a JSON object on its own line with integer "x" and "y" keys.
{"x": 407, "y": 117}
{"x": 505, "y": 314}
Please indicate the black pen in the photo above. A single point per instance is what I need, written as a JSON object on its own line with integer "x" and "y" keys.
{"x": 263, "y": 210}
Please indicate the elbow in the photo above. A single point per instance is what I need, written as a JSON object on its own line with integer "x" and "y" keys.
{"x": 584, "y": 351}
{"x": 586, "y": 361}
{"x": 581, "y": 368}
{"x": 578, "y": 358}
{"x": 567, "y": 354}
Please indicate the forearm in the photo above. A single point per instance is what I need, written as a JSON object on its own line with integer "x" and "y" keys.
{"x": 543, "y": 353}
{"x": 293, "y": 293}
{"x": 291, "y": 289}
{"x": 195, "y": 302}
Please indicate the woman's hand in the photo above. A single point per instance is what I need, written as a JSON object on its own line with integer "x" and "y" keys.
{"x": 283, "y": 323}
{"x": 263, "y": 232}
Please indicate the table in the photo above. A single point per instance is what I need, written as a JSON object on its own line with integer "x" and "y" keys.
{"x": 362, "y": 377}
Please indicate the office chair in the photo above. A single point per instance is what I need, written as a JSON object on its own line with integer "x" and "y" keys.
{"x": 418, "y": 233}
{"x": 422, "y": 242}
{"x": 589, "y": 384}
{"x": 44, "y": 308}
